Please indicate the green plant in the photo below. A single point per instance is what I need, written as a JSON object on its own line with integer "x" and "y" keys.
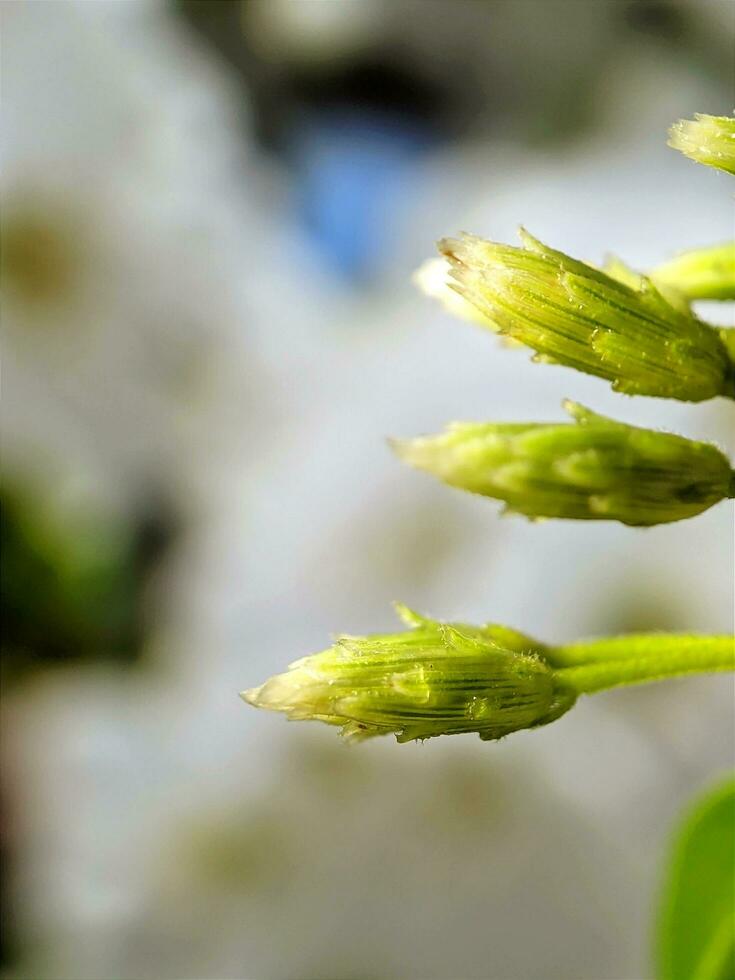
{"x": 640, "y": 333}
{"x": 450, "y": 678}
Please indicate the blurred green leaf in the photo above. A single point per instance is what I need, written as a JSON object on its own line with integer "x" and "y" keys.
{"x": 73, "y": 586}
{"x": 696, "y": 939}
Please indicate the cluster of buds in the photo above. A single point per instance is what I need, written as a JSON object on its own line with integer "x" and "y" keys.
{"x": 595, "y": 468}
{"x": 639, "y": 333}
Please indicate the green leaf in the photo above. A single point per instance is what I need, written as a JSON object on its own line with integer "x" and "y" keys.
{"x": 696, "y": 939}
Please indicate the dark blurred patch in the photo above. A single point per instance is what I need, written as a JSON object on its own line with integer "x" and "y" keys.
{"x": 657, "y": 18}
{"x": 281, "y": 91}
{"x": 372, "y": 83}
{"x": 453, "y": 68}
{"x": 676, "y": 23}
{"x": 74, "y": 593}
{"x": 9, "y": 946}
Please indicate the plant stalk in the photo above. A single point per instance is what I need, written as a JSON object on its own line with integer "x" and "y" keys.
{"x": 639, "y": 659}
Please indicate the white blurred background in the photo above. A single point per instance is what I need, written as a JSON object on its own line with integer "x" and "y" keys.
{"x": 211, "y": 214}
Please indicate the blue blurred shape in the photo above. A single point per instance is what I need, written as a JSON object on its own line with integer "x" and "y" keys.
{"x": 355, "y": 171}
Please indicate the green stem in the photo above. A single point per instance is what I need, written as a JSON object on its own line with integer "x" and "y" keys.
{"x": 631, "y": 646}
{"x": 659, "y": 658}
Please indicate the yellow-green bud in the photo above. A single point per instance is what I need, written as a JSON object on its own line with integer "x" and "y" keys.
{"x": 619, "y": 328}
{"x": 596, "y": 469}
{"x": 434, "y": 679}
{"x": 706, "y": 139}
{"x": 451, "y": 678}
{"x": 705, "y": 273}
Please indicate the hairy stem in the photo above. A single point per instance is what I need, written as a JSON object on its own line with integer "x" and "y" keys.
{"x": 636, "y": 660}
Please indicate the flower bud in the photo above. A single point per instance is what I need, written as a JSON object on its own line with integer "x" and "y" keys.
{"x": 706, "y": 139}
{"x": 434, "y": 679}
{"x": 705, "y": 273}
{"x": 596, "y": 469}
{"x": 622, "y": 329}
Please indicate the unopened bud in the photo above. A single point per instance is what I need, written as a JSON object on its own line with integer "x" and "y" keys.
{"x": 705, "y": 273}
{"x": 595, "y": 469}
{"x": 706, "y": 139}
{"x": 435, "y": 679}
{"x": 619, "y": 328}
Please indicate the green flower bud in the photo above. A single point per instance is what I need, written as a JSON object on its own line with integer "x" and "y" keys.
{"x": 434, "y": 679}
{"x": 620, "y": 328}
{"x": 596, "y": 469}
{"x": 450, "y": 678}
{"x": 706, "y": 139}
{"x": 705, "y": 273}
